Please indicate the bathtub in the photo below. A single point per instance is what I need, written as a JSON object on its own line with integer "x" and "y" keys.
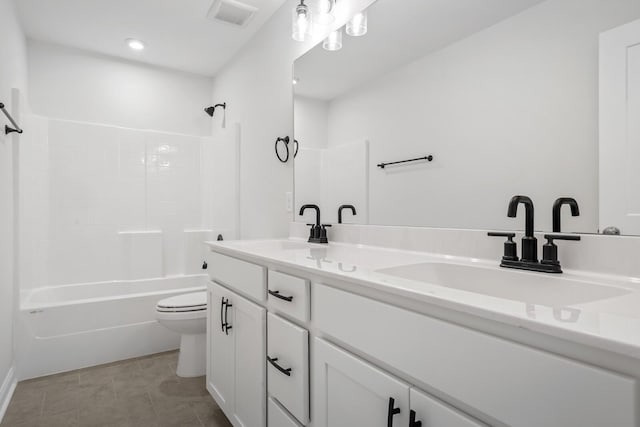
{"x": 68, "y": 327}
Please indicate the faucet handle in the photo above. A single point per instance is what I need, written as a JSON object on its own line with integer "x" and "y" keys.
{"x": 500, "y": 234}
{"x": 323, "y": 233}
{"x": 510, "y": 247}
{"x": 551, "y": 237}
{"x": 550, "y": 250}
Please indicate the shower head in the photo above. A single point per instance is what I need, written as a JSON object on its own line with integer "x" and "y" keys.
{"x": 210, "y": 110}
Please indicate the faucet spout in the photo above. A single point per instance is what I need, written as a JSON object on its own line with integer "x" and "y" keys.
{"x": 314, "y": 207}
{"x": 557, "y": 207}
{"x": 528, "y": 205}
{"x": 529, "y": 242}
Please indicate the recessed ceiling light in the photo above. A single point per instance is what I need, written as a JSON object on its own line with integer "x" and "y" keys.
{"x": 135, "y": 44}
{"x": 295, "y": 80}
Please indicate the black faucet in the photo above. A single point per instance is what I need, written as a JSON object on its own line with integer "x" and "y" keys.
{"x": 353, "y": 211}
{"x": 529, "y": 261}
{"x": 318, "y": 232}
{"x": 529, "y": 242}
{"x": 557, "y": 207}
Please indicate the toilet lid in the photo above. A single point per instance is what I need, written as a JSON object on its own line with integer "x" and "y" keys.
{"x": 187, "y": 302}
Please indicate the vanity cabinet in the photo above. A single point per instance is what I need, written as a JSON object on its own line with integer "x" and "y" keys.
{"x": 261, "y": 354}
{"x": 351, "y": 392}
{"x": 236, "y": 346}
{"x": 515, "y": 384}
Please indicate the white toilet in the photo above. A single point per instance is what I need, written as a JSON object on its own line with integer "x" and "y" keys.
{"x": 187, "y": 315}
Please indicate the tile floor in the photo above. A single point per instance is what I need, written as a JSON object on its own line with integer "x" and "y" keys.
{"x": 138, "y": 392}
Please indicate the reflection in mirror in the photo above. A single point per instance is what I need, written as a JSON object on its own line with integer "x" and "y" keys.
{"x": 502, "y": 93}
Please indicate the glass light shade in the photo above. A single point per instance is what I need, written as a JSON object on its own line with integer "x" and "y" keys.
{"x": 333, "y": 41}
{"x": 325, "y": 12}
{"x": 357, "y": 26}
{"x": 301, "y": 25}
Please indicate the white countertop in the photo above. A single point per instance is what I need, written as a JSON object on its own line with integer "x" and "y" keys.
{"x": 600, "y": 311}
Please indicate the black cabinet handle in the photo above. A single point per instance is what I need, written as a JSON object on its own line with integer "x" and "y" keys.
{"x": 412, "y": 420}
{"x": 273, "y": 361}
{"x": 227, "y": 325}
{"x": 282, "y": 297}
{"x": 392, "y": 411}
{"x": 222, "y": 304}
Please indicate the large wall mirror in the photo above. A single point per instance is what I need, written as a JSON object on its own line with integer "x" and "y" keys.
{"x": 503, "y": 94}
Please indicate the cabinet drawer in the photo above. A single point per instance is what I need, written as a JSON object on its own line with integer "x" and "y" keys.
{"x": 278, "y": 416}
{"x": 432, "y": 413}
{"x": 518, "y": 385}
{"x": 245, "y": 277}
{"x": 288, "y": 366}
{"x": 289, "y": 295}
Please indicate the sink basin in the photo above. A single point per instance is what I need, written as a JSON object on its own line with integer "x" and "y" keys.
{"x": 531, "y": 288}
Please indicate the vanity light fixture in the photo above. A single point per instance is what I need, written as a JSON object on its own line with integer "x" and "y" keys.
{"x": 333, "y": 41}
{"x": 135, "y": 44}
{"x": 301, "y": 25}
{"x": 325, "y": 11}
{"x": 357, "y": 26}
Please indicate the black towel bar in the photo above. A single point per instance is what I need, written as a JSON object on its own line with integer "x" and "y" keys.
{"x": 428, "y": 158}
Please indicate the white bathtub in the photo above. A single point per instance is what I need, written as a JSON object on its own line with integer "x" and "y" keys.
{"x": 68, "y": 327}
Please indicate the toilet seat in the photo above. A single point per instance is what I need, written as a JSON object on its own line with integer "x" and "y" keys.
{"x": 186, "y": 303}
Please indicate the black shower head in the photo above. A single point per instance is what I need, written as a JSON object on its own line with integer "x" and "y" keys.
{"x": 210, "y": 110}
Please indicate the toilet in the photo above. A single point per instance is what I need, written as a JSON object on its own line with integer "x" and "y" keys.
{"x": 187, "y": 315}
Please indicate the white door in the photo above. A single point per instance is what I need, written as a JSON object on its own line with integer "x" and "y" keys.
{"x": 620, "y": 128}
{"x": 246, "y": 324}
{"x": 430, "y": 412}
{"x": 350, "y": 392}
{"x": 220, "y": 349}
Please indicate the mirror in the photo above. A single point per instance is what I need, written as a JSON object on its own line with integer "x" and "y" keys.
{"x": 503, "y": 94}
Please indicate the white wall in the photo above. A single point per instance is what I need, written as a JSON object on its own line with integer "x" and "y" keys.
{"x": 311, "y": 120}
{"x": 100, "y": 203}
{"x": 512, "y": 109}
{"x": 119, "y": 175}
{"x": 256, "y": 85}
{"x": 13, "y": 74}
{"x": 73, "y": 84}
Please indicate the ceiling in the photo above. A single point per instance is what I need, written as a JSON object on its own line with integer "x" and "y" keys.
{"x": 399, "y": 32}
{"x": 177, "y": 33}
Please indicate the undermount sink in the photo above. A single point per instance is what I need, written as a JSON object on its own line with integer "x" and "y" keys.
{"x": 532, "y": 288}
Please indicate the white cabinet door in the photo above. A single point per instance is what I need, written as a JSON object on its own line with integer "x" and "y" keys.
{"x": 349, "y": 392}
{"x": 220, "y": 349}
{"x": 620, "y": 128}
{"x": 288, "y": 368}
{"x": 246, "y": 322}
{"x": 236, "y": 369}
{"x": 429, "y": 412}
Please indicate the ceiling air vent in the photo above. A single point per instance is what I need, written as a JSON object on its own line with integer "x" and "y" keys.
{"x": 231, "y": 12}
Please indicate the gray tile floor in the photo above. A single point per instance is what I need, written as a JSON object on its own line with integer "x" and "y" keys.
{"x": 132, "y": 393}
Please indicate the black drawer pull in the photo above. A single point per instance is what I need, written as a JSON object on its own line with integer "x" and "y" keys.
{"x": 227, "y": 325}
{"x": 392, "y": 411}
{"x": 282, "y": 297}
{"x": 412, "y": 420}
{"x": 222, "y": 304}
{"x": 273, "y": 361}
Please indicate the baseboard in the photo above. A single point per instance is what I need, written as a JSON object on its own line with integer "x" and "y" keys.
{"x": 6, "y": 391}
